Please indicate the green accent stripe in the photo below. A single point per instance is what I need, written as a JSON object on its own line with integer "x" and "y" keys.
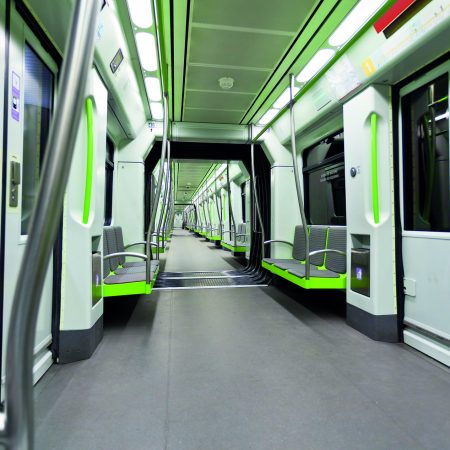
{"x": 237, "y": 249}
{"x": 89, "y": 159}
{"x": 374, "y": 157}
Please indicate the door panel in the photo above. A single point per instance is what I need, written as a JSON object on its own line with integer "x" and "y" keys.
{"x": 31, "y": 86}
{"x": 425, "y": 194}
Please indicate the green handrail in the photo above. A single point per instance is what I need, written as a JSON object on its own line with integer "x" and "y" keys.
{"x": 374, "y": 159}
{"x": 89, "y": 159}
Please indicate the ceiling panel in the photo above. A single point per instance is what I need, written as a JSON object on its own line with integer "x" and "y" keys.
{"x": 189, "y": 177}
{"x": 283, "y": 15}
{"x": 207, "y": 78}
{"x": 233, "y": 48}
{"x": 211, "y": 116}
{"x": 217, "y": 100}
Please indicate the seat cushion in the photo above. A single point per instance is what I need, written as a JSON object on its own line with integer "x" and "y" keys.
{"x": 126, "y": 278}
{"x": 280, "y": 261}
{"x": 136, "y": 269}
{"x": 314, "y": 272}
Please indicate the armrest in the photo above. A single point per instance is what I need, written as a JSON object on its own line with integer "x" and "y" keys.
{"x": 134, "y": 255}
{"x": 278, "y": 240}
{"x": 327, "y": 250}
{"x": 239, "y": 235}
{"x": 135, "y": 243}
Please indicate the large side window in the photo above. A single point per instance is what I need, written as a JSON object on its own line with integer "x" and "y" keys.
{"x": 38, "y": 100}
{"x": 109, "y": 179}
{"x": 324, "y": 181}
{"x": 425, "y": 118}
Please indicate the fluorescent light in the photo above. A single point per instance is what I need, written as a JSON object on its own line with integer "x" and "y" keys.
{"x": 442, "y": 116}
{"x": 153, "y": 89}
{"x": 285, "y": 97}
{"x": 141, "y": 13}
{"x": 318, "y": 62}
{"x": 146, "y": 46}
{"x": 268, "y": 116}
{"x": 354, "y": 21}
{"x": 157, "y": 111}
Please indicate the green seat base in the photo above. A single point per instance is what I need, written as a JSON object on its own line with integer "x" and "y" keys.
{"x": 236, "y": 249}
{"x": 214, "y": 238}
{"x": 312, "y": 283}
{"x": 137, "y": 288}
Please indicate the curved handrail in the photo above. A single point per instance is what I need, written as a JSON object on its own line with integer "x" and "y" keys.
{"x": 18, "y": 431}
{"x": 278, "y": 241}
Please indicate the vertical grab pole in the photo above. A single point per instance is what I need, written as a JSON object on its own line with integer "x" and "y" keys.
{"x": 297, "y": 177}
{"x": 256, "y": 200}
{"x": 151, "y": 225}
{"x": 230, "y": 206}
{"x": 17, "y": 422}
{"x": 219, "y": 212}
{"x": 164, "y": 206}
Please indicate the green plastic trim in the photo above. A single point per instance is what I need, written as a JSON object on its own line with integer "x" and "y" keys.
{"x": 162, "y": 45}
{"x": 214, "y": 238}
{"x": 238, "y": 249}
{"x": 137, "y": 288}
{"x": 319, "y": 75}
{"x": 89, "y": 159}
{"x": 374, "y": 157}
{"x": 312, "y": 283}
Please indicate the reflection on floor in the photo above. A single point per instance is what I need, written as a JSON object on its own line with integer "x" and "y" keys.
{"x": 257, "y": 368}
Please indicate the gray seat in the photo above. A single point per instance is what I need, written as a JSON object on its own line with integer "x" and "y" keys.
{"x": 121, "y": 248}
{"x": 335, "y": 264}
{"x": 298, "y": 251}
{"x": 317, "y": 241}
{"x": 113, "y": 243}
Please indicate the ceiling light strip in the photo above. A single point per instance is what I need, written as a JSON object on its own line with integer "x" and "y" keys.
{"x": 337, "y": 55}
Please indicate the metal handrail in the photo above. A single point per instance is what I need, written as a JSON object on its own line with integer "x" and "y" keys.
{"x": 256, "y": 200}
{"x": 18, "y": 420}
{"x": 117, "y": 254}
{"x": 297, "y": 178}
{"x": 134, "y": 244}
{"x": 278, "y": 240}
{"x": 152, "y": 222}
{"x": 327, "y": 250}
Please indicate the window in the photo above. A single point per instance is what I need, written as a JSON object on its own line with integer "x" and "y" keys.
{"x": 425, "y": 157}
{"x": 109, "y": 179}
{"x": 38, "y": 100}
{"x": 324, "y": 181}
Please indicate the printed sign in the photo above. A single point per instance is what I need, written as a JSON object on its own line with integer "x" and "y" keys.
{"x": 15, "y": 106}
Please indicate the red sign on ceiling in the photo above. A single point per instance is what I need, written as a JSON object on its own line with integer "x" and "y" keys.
{"x": 396, "y": 10}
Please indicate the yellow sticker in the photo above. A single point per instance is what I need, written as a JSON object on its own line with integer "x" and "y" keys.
{"x": 369, "y": 67}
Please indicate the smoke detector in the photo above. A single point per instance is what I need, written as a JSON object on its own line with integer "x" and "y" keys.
{"x": 226, "y": 83}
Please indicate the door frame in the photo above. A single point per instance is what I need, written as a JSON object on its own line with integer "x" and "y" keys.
{"x": 33, "y": 36}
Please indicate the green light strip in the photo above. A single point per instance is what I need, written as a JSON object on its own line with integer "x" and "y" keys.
{"x": 374, "y": 157}
{"x": 89, "y": 159}
{"x": 318, "y": 76}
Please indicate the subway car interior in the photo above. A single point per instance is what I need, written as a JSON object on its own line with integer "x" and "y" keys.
{"x": 225, "y": 224}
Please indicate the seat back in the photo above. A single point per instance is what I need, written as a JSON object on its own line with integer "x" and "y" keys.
{"x": 119, "y": 242}
{"x": 337, "y": 240}
{"x": 317, "y": 241}
{"x": 242, "y": 231}
{"x": 299, "y": 248}
{"x": 110, "y": 246}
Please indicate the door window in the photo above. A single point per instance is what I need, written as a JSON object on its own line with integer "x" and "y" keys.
{"x": 38, "y": 101}
{"x": 425, "y": 120}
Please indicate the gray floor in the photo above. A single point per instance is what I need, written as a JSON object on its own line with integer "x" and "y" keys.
{"x": 253, "y": 368}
